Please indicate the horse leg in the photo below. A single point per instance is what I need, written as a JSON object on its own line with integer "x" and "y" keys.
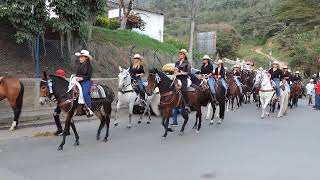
{"x": 102, "y": 123}
{"x": 166, "y": 126}
{"x": 209, "y": 111}
{"x": 232, "y": 101}
{"x": 116, "y": 123}
{"x": 65, "y": 130}
{"x": 130, "y": 114}
{"x": 199, "y": 114}
{"x": 186, "y": 118}
{"x": 238, "y": 101}
{"x": 221, "y": 112}
{"x": 107, "y": 111}
{"x": 196, "y": 122}
{"x": 15, "y": 122}
{"x": 73, "y": 126}
{"x": 214, "y": 109}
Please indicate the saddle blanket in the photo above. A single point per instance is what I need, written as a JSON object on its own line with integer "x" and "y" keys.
{"x": 97, "y": 91}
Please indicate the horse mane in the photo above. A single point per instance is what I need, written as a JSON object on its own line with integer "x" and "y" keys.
{"x": 60, "y": 85}
{"x": 166, "y": 82}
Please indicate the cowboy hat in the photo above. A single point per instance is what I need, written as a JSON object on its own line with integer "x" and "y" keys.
{"x": 137, "y": 56}
{"x": 220, "y": 61}
{"x": 276, "y": 62}
{"x": 184, "y": 51}
{"x": 260, "y": 69}
{"x": 236, "y": 66}
{"x": 297, "y": 72}
{"x": 311, "y": 80}
{"x": 285, "y": 67}
{"x": 84, "y": 53}
{"x": 206, "y": 57}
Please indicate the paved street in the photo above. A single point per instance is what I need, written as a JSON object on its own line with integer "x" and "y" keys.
{"x": 245, "y": 147}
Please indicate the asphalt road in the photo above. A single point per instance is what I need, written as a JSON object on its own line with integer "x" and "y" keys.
{"x": 244, "y": 147}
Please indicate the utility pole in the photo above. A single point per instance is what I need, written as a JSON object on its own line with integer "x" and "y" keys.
{"x": 192, "y": 28}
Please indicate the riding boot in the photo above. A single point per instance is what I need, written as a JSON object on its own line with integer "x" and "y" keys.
{"x": 58, "y": 124}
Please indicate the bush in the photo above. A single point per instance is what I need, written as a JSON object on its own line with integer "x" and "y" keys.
{"x": 105, "y": 22}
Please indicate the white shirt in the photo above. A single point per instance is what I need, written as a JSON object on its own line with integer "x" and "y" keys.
{"x": 287, "y": 87}
{"x": 310, "y": 88}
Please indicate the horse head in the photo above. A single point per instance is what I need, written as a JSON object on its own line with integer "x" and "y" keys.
{"x": 44, "y": 89}
{"x": 124, "y": 78}
{"x": 152, "y": 81}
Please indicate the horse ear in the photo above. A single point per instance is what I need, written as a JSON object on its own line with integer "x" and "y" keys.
{"x": 45, "y": 76}
{"x": 120, "y": 69}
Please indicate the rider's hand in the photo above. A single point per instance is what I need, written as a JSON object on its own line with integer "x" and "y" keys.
{"x": 79, "y": 78}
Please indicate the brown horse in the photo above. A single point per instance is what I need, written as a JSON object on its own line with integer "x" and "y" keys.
{"x": 172, "y": 98}
{"x": 247, "y": 79}
{"x": 12, "y": 90}
{"x": 57, "y": 87}
{"x": 233, "y": 92}
{"x": 296, "y": 92}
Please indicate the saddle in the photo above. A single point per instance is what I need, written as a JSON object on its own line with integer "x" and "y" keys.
{"x": 179, "y": 85}
{"x": 96, "y": 92}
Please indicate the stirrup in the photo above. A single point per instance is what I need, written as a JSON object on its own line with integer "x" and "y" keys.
{"x": 89, "y": 113}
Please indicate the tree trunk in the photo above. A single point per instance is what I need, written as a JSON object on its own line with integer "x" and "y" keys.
{"x": 70, "y": 49}
{"x": 192, "y": 28}
{"x": 44, "y": 46}
{"x": 123, "y": 23}
{"x": 61, "y": 44}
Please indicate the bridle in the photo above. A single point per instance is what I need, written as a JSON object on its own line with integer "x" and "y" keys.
{"x": 124, "y": 86}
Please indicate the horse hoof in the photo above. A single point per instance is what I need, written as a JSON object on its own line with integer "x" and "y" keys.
{"x": 219, "y": 122}
{"x": 262, "y": 117}
{"x": 105, "y": 140}
{"x": 116, "y": 124}
{"x": 76, "y": 143}
{"x": 98, "y": 138}
{"x": 129, "y": 126}
{"x": 211, "y": 122}
{"x": 194, "y": 127}
{"x": 148, "y": 122}
{"x": 60, "y": 148}
{"x": 181, "y": 133}
{"x": 164, "y": 137}
{"x": 170, "y": 130}
{"x": 197, "y": 132}
{"x": 139, "y": 122}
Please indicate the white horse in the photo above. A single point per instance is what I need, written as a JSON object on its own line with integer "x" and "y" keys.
{"x": 266, "y": 91}
{"x": 128, "y": 97}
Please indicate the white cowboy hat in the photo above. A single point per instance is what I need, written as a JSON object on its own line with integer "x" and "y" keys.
{"x": 260, "y": 69}
{"x": 311, "y": 80}
{"x": 137, "y": 56}
{"x": 285, "y": 67}
{"x": 184, "y": 51}
{"x": 276, "y": 62}
{"x": 84, "y": 53}
{"x": 236, "y": 66}
{"x": 220, "y": 61}
{"x": 297, "y": 72}
{"x": 206, "y": 57}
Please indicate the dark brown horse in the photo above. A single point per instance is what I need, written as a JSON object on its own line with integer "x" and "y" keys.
{"x": 12, "y": 90}
{"x": 233, "y": 92}
{"x": 172, "y": 98}
{"x": 296, "y": 92}
{"x": 57, "y": 87}
{"x": 247, "y": 79}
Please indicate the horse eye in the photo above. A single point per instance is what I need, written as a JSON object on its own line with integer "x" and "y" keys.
{"x": 43, "y": 88}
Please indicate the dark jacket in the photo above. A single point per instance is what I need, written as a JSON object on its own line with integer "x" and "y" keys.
{"x": 184, "y": 66}
{"x": 222, "y": 72}
{"x": 207, "y": 69}
{"x": 134, "y": 71}
{"x": 275, "y": 74}
{"x": 85, "y": 71}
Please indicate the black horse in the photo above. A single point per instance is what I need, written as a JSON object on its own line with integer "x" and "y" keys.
{"x": 57, "y": 87}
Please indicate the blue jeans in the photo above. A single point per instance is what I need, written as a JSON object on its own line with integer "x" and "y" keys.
{"x": 211, "y": 83}
{"x": 317, "y": 102}
{"x": 175, "y": 113}
{"x": 239, "y": 85}
{"x": 86, "y": 86}
{"x": 277, "y": 81}
{"x": 224, "y": 84}
{"x": 141, "y": 87}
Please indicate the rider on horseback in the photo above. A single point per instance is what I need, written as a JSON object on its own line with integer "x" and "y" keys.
{"x": 83, "y": 76}
{"x": 221, "y": 74}
{"x": 136, "y": 71}
{"x": 207, "y": 72}
{"x": 182, "y": 69}
{"x": 237, "y": 76}
{"x": 286, "y": 74}
{"x": 276, "y": 75}
{"x": 297, "y": 79}
{"x": 57, "y": 110}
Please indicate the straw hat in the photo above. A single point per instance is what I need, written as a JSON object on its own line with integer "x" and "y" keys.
{"x": 297, "y": 72}
{"x": 137, "y": 56}
{"x": 236, "y": 66}
{"x": 84, "y": 53}
{"x": 184, "y": 51}
{"x": 276, "y": 62}
{"x": 220, "y": 61}
{"x": 260, "y": 69}
{"x": 206, "y": 57}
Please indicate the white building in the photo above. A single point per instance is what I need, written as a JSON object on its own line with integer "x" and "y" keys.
{"x": 154, "y": 22}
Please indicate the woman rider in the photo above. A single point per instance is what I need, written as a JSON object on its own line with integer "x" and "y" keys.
{"x": 237, "y": 76}
{"x": 276, "y": 75}
{"x": 83, "y": 76}
{"x": 207, "y": 71}
{"x": 136, "y": 71}
{"x": 182, "y": 69}
{"x": 221, "y": 73}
